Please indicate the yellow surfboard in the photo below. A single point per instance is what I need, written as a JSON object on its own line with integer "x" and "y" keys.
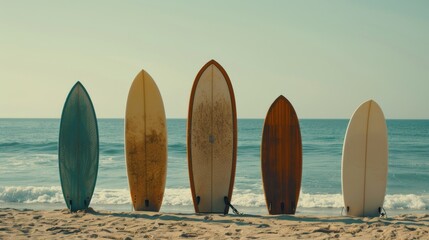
{"x": 145, "y": 144}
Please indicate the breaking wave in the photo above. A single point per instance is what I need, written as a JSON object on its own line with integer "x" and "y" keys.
{"x": 182, "y": 197}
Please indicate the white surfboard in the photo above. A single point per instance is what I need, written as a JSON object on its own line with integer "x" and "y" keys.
{"x": 364, "y": 162}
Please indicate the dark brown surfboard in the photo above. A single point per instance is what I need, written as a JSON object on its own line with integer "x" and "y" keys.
{"x": 281, "y": 158}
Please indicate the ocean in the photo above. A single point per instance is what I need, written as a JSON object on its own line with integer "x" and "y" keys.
{"x": 29, "y": 175}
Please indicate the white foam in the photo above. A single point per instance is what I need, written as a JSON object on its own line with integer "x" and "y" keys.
{"x": 177, "y": 197}
{"x": 31, "y": 194}
{"x": 182, "y": 197}
{"x": 409, "y": 201}
{"x": 111, "y": 196}
{"x": 248, "y": 199}
{"x": 320, "y": 200}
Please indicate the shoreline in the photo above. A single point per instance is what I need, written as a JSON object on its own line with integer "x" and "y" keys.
{"x": 180, "y": 209}
{"x": 60, "y": 223}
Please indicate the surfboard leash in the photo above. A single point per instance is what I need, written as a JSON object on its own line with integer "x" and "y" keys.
{"x": 228, "y": 204}
{"x": 342, "y": 210}
{"x": 382, "y": 212}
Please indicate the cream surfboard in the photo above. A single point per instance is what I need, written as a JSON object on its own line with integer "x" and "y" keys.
{"x": 212, "y": 139}
{"x": 364, "y": 162}
{"x": 145, "y": 144}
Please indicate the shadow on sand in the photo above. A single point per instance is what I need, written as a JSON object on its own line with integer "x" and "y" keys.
{"x": 248, "y": 219}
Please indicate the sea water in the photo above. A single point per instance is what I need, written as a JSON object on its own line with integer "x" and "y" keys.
{"x": 29, "y": 175}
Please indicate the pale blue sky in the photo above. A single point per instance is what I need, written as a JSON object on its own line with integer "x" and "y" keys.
{"x": 326, "y": 57}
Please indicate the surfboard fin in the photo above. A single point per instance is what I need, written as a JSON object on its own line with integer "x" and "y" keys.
{"x": 198, "y": 200}
{"x": 146, "y": 203}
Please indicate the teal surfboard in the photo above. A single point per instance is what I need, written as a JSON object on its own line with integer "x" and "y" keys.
{"x": 78, "y": 149}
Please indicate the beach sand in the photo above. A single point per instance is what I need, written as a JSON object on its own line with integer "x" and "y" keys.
{"x": 56, "y": 224}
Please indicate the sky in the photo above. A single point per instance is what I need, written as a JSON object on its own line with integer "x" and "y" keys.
{"x": 326, "y": 57}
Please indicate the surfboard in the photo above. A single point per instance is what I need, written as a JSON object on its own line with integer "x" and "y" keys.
{"x": 78, "y": 149}
{"x": 212, "y": 139}
{"x": 364, "y": 161}
{"x": 281, "y": 158}
{"x": 145, "y": 144}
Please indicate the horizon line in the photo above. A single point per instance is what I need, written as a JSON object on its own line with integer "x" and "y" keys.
{"x": 179, "y": 118}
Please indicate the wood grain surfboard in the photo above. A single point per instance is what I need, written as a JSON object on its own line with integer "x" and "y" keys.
{"x": 281, "y": 158}
{"x": 145, "y": 144}
{"x": 364, "y": 162}
{"x": 78, "y": 149}
{"x": 212, "y": 139}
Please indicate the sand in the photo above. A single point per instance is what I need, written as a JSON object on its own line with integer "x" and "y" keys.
{"x": 56, "y": 224}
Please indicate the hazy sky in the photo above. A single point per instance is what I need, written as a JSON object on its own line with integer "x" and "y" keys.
{"x": 326, "y": 57}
